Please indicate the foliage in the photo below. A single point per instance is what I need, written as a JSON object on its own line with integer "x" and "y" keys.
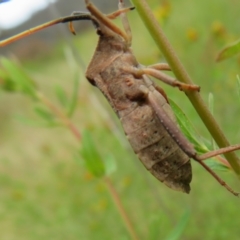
{"x": 49, "y": 187}
{"x": 229, "y": 51}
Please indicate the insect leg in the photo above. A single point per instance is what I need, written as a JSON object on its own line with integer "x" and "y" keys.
{"x": 119, "y": 12}
{"x": 125, "y": 22}
{"x": 163, "y": 111}
{"x": 200, "y": 158}
{"x": 110, "y": 16}
{"x": 183, "y": 143}
{"x": 154, "y": 98}
{"x": 160, "y": 66}
{"x": 218, "y": 152}
{"x": 138, "y": 72}
{"x": 79, "y": 13}
{"x": 105, "y": 20}
{"x": 224, "y": 184}
{"x": 161, "y": 91}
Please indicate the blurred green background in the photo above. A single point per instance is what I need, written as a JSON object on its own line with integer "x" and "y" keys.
{"x": 47, "y": 191}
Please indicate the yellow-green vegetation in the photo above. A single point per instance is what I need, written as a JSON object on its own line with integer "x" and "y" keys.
{"x": 48, "y": 192}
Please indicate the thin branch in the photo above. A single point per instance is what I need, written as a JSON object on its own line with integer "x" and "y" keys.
{"x": 66, "y": 121}
{"x": 121, "y": 209}
{"x": 116, "y": 198}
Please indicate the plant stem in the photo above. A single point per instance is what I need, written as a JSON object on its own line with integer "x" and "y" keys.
{"x": 181, "y": 74}
{"x": 66, "y": 121}
{"x": 121, "y": 209}
{"x": 116, "y": 198}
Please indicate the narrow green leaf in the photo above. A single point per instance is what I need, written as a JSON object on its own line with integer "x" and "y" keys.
{"x": 218, "y": 166}
{"x": 19, "y": 77}
{"x": 187, "y": 128}
{"x": 154, "y": 230}
{"x": 27, "y": 121}
{"x": 74, "y": 97}
{"x": 5, "y": 82}
{"x": 34, "y": 123}
{"x": 91, "y": 155}
{"x": 61, "y": 96}
{"x": 229, "y": 51}
{"x": 110, "y": 164}
{"x": 178, "y": 230}
{"x": 44, "y": 113}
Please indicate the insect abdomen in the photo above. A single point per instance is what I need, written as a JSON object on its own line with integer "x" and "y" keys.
{"x": 156, "y": 149}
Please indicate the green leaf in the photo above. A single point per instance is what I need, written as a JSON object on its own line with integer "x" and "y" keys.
{"x": 110, "y": 164}
{"x": 91, "y": 155}
{"x": 74, "y": 97}
{"x": 215, "y": 165}
{"x": 229, "y": 51}
{"x": 154, "y": 230}
{"x": 187, "y": 128}
{"x": 34, "y": 123}
{"x": 27, "y": 121}
{"x": 18, "y": 77}
{"x": 44, "y": 113}
{"x": 61, "y": 96}
{"x": 5, "y": 82}
{"x": 178, "y": 230}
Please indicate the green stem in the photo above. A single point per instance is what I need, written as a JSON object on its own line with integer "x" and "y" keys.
{"x": 121, "y": 209}
{"x": 181, "y": 74}
{"x": 116, "y": 198}
{"x": 65, "y": 120}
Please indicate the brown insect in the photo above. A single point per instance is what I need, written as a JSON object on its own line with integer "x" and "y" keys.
{"x": 142, "y": 107}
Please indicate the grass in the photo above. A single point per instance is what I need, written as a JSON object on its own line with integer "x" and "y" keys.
{"x": 47, "y": 192}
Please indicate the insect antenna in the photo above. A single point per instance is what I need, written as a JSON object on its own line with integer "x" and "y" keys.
{"x": 71, "y": 18}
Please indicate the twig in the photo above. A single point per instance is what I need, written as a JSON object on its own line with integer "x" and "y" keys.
{"x": 60, "y": 114}
{"x": 116, "y": 198}
{"x": 121, "y": 209}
